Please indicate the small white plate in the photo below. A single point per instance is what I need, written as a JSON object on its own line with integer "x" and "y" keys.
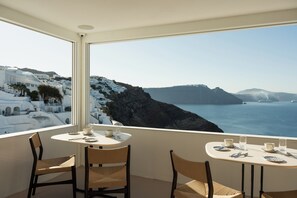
{"x": 91, "y": 140}
{"x": 274, "y": 159}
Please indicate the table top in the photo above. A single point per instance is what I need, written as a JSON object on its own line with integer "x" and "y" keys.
{"x": 97, "y": 138}
{"x": 255, "y": 155}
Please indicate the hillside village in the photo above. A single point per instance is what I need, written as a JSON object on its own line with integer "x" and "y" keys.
{"x": 19, "y": 111}
{"x": 31, "y": 99}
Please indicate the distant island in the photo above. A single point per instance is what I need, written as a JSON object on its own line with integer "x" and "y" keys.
{"x": 193, "y": 94}
{"x": 261, "y": 95}
{"x": 201, "y": 94}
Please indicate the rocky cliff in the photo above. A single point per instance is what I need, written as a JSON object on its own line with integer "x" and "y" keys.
{"x": 134, "y": 107}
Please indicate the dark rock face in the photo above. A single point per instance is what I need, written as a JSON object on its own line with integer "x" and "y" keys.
{"x": 134, "y": 107}
{"x": 192, "y": 94}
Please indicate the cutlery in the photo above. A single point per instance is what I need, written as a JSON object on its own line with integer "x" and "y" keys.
{"x": 218, "y": 148}
{"x": 292, "y": 155}
{"x": 245, "y": 154}
{"x": 239, "y": 154}
{"x": 236, "y": 155}
{"x": 116, "y": 137}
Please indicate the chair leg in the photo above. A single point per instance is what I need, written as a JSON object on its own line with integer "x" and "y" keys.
{"x": 172, "y": 193}
{"x": 30, "y": 186}
{"x": 34, "y": 185}
{"x": 126, "y": 192}
{"x": 73, "y": 171}
{"x": 127, "y": 195}
{"x": 86, "y": 193}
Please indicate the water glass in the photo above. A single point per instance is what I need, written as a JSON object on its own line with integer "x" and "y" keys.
{"x": 117, "y": 133}
{"x": 282, "y": 145}
{"x": 242, "y": 142}
{"x": 228, "y": 142}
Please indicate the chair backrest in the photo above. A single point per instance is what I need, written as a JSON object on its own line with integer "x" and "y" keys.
{"x": 199, "y": 171}
{"x": 35, "y": 143}
{"x": 112, "y": 157}
{"x": 107, "y": 156}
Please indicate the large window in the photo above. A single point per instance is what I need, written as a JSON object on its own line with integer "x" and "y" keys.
{"x": 35, "y": 80}
{"x": 243, "y": 81}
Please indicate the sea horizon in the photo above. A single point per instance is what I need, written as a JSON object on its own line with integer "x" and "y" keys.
{"x": 273, "y": 119}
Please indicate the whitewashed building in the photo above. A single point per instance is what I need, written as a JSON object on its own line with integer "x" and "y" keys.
{"x": 12, "y": 75}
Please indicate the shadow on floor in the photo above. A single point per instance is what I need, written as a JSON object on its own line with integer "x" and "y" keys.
{"x": 140, "y": 188}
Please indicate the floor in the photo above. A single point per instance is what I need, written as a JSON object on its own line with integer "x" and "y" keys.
{"x": 140, "y": 188}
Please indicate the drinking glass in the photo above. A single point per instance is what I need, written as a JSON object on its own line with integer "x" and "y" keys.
{"x": 242, "y": 142}
{"x": 282, "y": 145}
{"x": 117, "y": 133}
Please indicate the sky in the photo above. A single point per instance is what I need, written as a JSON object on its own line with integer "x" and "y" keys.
{"x": 232, "y": 60}
{"x": 20, "y": 47}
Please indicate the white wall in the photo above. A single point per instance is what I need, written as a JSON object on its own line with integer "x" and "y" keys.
{"x": 2, "y": 77}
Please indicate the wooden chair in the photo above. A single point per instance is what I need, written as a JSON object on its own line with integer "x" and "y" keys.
{"x": 107, "y": 171}
{"x": 283, "y": 194}
{"x": 49, "y": 166}
{"x": 201, "y": 185}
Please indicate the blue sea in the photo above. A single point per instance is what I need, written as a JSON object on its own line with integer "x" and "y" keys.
{"x": 274, "y": 119}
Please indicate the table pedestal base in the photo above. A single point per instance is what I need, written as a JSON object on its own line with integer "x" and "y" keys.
{"x": 252, "y": 180}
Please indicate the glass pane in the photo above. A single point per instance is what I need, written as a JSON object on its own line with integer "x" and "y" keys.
{"x": 243, "y": 81}
{"x": 35, "y": 80}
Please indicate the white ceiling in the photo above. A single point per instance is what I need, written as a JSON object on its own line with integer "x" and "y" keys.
{"x": 106, "y": 15}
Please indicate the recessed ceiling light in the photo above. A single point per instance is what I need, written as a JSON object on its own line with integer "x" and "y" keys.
{"x": 85, "y": 27}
